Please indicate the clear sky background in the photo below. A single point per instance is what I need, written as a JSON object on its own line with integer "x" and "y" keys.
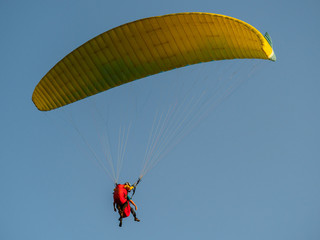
{"x": 250, "y": 170}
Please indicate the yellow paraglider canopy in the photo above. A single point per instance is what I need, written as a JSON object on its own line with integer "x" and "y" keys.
{"x": 146, "y": 47}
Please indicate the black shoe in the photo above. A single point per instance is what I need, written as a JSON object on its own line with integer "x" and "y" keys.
{"x": 137, "y": 220}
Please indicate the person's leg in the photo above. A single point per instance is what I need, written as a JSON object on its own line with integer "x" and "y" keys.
{"x": 121, "y": 214}
{"x": 134, "y": 215}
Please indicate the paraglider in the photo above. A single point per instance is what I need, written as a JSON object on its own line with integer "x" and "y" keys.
{"x": 145, "y": 47}
{"x": 142, "y": 48}
{"x": 121, "y": 201}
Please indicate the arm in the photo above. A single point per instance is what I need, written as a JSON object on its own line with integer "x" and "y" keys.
{"x": 133, "y": 204}
{"x": 114, "y": 206}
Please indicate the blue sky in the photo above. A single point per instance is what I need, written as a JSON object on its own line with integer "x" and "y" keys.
{"x": 250, "y": 170}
